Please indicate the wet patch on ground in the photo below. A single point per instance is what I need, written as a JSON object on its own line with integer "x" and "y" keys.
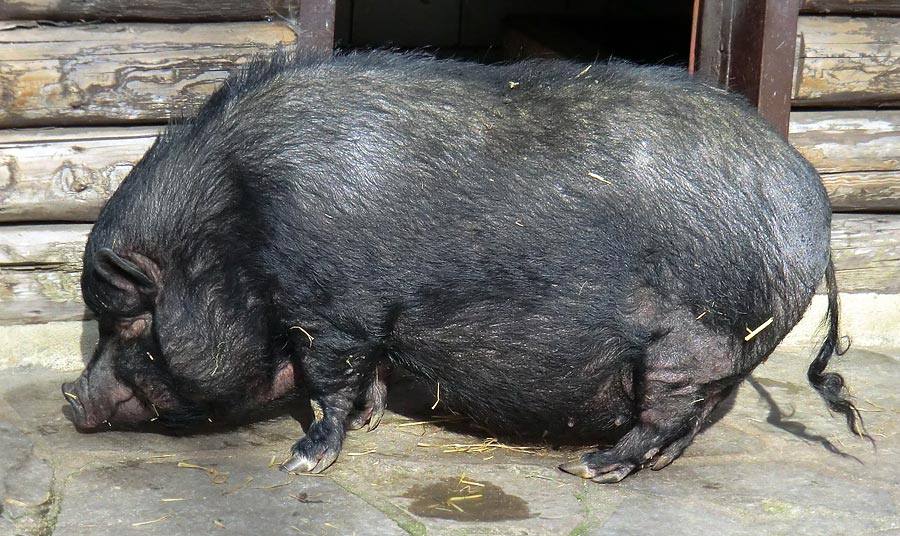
{"x": 460, "y": 499}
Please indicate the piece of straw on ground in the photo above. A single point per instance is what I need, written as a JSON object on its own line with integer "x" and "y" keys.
{"x": 157, "y": 520}
{"x": 21, "y": 504}
{"x": 488, "y": 445}
{"x": 215, "y": 476}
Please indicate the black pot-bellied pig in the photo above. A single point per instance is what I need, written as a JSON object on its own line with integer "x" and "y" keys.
{"x": 565, "y": 252}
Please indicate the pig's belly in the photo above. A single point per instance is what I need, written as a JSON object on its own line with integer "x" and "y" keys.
{"x": 531, "y": 400}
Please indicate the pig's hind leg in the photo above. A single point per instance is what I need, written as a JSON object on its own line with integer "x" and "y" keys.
{"x": 370, "y": 405}
{"x": 676, "y": 387}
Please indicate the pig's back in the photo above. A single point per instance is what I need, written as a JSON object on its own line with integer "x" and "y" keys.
{"x": 404, "y": 173}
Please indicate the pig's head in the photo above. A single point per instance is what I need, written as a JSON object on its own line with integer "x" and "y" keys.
{"x": 176, "y": 346}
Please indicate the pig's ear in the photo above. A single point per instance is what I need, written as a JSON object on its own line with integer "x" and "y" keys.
{"x": 123, "y": 273}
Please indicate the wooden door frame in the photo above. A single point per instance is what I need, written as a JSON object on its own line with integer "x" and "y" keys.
{"x": 749, "y": 46}
{"x": 316, "y": 21}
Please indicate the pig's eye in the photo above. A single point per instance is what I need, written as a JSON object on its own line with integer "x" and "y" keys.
{"x": 132, "y": 328}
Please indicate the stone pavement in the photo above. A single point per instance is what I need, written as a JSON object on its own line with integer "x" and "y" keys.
{"x": 776, "y": 463}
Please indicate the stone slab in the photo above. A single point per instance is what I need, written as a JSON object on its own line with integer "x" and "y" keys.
{"x": 774, "y": 461}
{"x": 26, "y": 500}
{"x": 243, "y": 497}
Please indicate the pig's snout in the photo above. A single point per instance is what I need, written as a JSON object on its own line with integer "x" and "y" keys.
{"x": 74, "y": 395}
{"x": 93, "y": 408}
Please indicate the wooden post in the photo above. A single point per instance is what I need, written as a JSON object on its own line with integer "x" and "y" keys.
{"x": 317, "y": 24}
{"x": 749, "y": 46}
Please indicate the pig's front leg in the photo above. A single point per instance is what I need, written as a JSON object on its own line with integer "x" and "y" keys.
{"x": 322, "y": 443}
{"x": 340, "y": 381}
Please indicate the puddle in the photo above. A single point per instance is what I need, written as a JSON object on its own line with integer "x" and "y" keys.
{"x": 463, "y": 500}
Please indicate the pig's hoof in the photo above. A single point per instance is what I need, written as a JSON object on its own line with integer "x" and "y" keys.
{"x": 368, "y": 415}
{"x": 301, "y": 463}
{"x": 374, "y": 402}
{"x": 310, "y": 457}
{"x": 604, "y": 473}
{"x": 615, "y": 475}
{"x": 577, "y": 468}
{"x": 358, "y": 419}
{"x": 661, "y": 461}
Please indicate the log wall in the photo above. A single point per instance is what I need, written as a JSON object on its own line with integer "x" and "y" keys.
{"x": 851, "y": 7}
{"x": 65, "y": 174}
{"x": 155, "y": 10}
{"x": 93, "y": 79}
{"x": 40, "y": 267}
{"x": 850, "y": 65}
{"x": 847, "y": 62}
{"x": 113, "y": 74}
{"x": 111, "y": 85}
{"x": 118, "y": 73}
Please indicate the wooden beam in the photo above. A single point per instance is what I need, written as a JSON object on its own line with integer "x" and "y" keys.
{"x": 848, "y": 62}
{"x": 863, "y": 191}
{"x": 857, "y": 152}
{"x": 316, "y": 24}
{"x": 40, "y": 271}
{"x": 65, "y": 174}
{"x": 851, "y": 7}
{"x": 748, "y": 46}
{"x": 40, "y": 265}
{"x": 120, "y": 73}
{"x": 152, "y": 10}
{"x": 850, "y": 140}
{"x": 866, "y": 251}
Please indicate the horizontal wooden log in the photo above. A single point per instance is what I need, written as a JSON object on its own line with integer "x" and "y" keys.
{"x": 65, "y": 174}
{"x": 40, "y": 269}
{"x": 857, "y": 152}
{"x": 847, "y": 61}
{"x": 876, "y": 191}
{"x": 155, "y": 10}
{"x": 850, "y": 7}
{"x": 40, "y": 265}
{"x": 866, "y": 250}
{"x": 118, "y": 73}
{"x": 855, "y": 140}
